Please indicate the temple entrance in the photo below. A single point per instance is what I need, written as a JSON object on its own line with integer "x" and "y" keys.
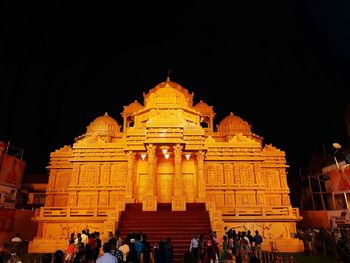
{"x": 143, "y": 186}
{"x": 189, "y": 180}
{"x": 165, "y": 187}
{"x": 165, "y": 180}
{"x": 188, "y": 186}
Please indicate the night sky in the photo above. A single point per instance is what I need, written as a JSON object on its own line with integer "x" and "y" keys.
{"x": 283, "y": 66}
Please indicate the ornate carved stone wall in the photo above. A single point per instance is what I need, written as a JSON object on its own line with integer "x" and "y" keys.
{"x": 167, "y": 152}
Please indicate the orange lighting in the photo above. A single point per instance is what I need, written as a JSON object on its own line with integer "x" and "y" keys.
{"x": 166, "y": 155}
{"x": 187, "y": 156}
{"x": 164, "y": 151}
{"x": 143, "y": 156}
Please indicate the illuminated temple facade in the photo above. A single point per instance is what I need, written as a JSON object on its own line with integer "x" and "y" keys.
{"x": 167, "y": 151}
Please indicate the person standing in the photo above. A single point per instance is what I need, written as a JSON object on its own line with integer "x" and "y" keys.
{"x": 257, "y": 249}
{"x": 13, "y": 257}
{"x": 223, "y": 255}
{"x": 107, "y": 257}
{"x": 194, "y": 247}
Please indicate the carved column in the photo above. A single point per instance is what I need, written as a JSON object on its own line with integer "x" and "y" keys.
{"x": 151, "y": 151}
{"x": 178, "y": 182}
{"x": 179, "y": 200}
{"x": 129, "y": 191}
{"x": 150, "y": 201}
{"x": 201, "y": 182}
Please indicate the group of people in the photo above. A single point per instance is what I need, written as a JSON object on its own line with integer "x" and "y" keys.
{"x": 241, "y": 245}
{"x": 328, "y": 242}
{"x": 12, "y": 248}
{"x": 137, "y": 249}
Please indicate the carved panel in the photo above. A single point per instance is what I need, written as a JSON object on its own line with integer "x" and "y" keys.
{"x": 188, "y": 183}
{"x": 105, "y": 171}
{"x": 103, "y": 200}
{"x": 273, "y": 179}
{"x": 244, "y": 174}
{"x": 229, "y": 200}
{"x": 143, "y": 185}
{"x": 242, "y": 199}
{"x": 228, "y": 169}
{"x": 60, "y": 200}
{"x": 212, "y": 173}
{"x": 87, "y": 199}
{"x": 62, "y": 230}
{"x": 75, "y": 174}
{"x": 219, "y": 179}
{"x": 62, "y": 179}
{"x": 49, "y": 200}
{"x": 251, "y": 178}
{"x": 72, "y": 200}
{"x": 115, "y": 197}
{"x": 211, "y": 198}
{"x": 96, "y": 176}
{"x": 285, "y": 200}
{"x": 86, "y": 174}
{"x": 237, "y": 174}
{"x": 273, "y": 200}
{"x": 270, "y": 182}
{"x": 165, "y": 187}
{"x": 220, "y": 199}
{"x": 118, "y": 174}
{"x": 260, "y": 199}
{"x": 52, "y": 179}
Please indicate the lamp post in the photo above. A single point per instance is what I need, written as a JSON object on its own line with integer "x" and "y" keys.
{"x": 337, "y": 148}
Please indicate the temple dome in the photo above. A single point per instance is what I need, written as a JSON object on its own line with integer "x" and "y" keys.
{"x": 162, "y": 91}
{"x": 204, "y": 108}
{"x": 132, "y": 108}
{"x": 103, "y": 126}
{"x": 232, "y": 124}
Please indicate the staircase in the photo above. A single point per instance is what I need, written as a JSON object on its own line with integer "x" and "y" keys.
{"x": 180, "y": 226}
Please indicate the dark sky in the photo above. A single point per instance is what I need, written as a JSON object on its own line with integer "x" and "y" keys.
{"x": 283, "y": 66}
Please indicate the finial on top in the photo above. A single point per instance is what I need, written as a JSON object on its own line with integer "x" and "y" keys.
{"x": 168, "y": 75}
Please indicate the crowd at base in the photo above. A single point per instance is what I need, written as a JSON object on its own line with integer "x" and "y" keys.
{"x": 326, "y": 242}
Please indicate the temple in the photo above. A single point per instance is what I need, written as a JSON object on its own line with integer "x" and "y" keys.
{"x": 167, "y": 151}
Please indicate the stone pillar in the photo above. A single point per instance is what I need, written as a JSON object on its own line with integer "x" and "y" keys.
{"x": 151, "y": 151}
{"x": 129, "y": 191}
{"x": 150, "y": 201}
{"x": 179, "y": 200}
{"x": 178, "y": 182}
{"x": 201, "y": 182}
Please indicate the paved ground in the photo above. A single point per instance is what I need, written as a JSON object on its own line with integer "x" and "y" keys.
{"x": 299, "y": 258}
{"x": 302, "y": 257}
